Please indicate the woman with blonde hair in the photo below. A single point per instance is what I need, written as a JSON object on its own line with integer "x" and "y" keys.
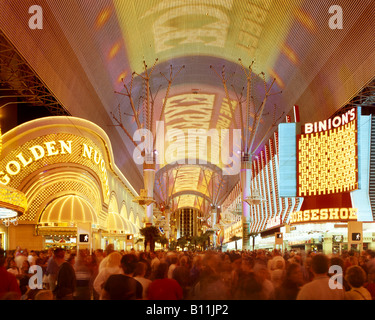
{"x": 112, "y": 266}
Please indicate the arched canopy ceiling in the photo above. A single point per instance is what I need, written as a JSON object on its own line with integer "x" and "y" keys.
{"x": 87, "y": 50}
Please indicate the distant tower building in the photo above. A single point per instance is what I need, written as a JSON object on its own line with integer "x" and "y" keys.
{"x": 187, "y": 222}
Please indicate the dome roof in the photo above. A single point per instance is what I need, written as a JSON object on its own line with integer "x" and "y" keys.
{"x": 118, "y": 224}
{"x": 70, "y": 208}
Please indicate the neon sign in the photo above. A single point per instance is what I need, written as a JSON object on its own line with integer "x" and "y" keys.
{"x": 324, "y": 215}
{"x": 329, "y": 124}
{"x": 51, "y": 150}
{"x": 37, "y": 152}
{"x": 327, "y": 160}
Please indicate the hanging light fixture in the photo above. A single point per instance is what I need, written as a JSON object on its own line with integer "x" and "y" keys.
{"x": 255, "y": 198}
{"x": 13, "y": 204}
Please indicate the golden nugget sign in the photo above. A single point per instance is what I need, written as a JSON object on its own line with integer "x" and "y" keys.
{"x": 324, "y": 215}
{"x": 36, "y": 153}
{"x": 50, "y": 152}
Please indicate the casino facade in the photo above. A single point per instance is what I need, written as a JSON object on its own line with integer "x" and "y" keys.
{"x": 64, "y": 166}
{"x": 315, "y": 181}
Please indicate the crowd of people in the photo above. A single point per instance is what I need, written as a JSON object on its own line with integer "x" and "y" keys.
{"x": 170, "y": 275}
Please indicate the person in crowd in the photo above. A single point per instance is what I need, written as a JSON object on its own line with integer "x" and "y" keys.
{"x": 182, "y": 274}
{"x": 32, "y": 257}
{"x": 319, "y": 288}
{"x": 277, "y": 261}
{"x": 356, "y": 278}
{"x": 163, "y": 288}
{"x": 211, "y": 285}
{"x": 66, "y": 278}
{"x": 155, "y": 261}
{"x": 93, "y": 266}
{"x": 52, "y": 270}
{"x": 44, "y": 295}
{"x": 370, "y": 284}
{"x": 291, "y": 283}
{"x": 139, "y": 275}
{"x": 99, "y": 256}
{"x": 308, "y": 274}
{"x": 370, "y": 260}
{"x": 249, "y": 288}
{"x": 172, "y": 261}
{"x": 12, "y": 267}
{"x": 195, "y": 270}
{"x": 24, "y": 277}
{"x": 9, "y": 288}
{"x": 112, "y": 266}
{"x": 109, "y": 249}
{"x": 83, "y": 275}
{"x": 362, "y": 262}
{"x": 20, "y": 257}
{"x": 144, "y": 257}
{"x": 277, "y": 274}
{"x": 124, "y": 286}
{"x": 264, "y": 277}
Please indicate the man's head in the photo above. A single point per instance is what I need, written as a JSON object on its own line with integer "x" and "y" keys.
{"x": 320, "y": 264}
{"x": 59, "y": 256}
{"x": 129, "y": 263}
{"x": 355, "y": 276}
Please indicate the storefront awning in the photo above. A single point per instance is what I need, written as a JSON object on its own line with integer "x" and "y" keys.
{"x": 70, "y": 209}
{"x": 119, "y": 225}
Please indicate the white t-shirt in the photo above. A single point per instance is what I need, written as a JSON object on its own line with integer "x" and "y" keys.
{"x": 319, "y": 289}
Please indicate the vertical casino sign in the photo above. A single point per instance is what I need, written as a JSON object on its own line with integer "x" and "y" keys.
{"x": 328, "y": 156}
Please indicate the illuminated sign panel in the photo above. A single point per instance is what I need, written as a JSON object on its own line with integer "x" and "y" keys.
{"x": 274, "y": 222}
{"x": 52, "y": 149}
{"x": 328, "y": 160}
{"x": 324, "y": 215}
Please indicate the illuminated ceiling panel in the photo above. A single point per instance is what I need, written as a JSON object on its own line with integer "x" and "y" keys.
{"x": 226, "y": 29}
{"x": 192, "y": 178}
{"x": 187, "y": 200}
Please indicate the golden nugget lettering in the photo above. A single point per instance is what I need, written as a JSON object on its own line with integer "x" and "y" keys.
{"x": 33, "y": 154}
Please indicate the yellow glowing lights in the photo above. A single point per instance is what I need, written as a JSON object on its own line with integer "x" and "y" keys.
{"x": 277, "y": 78}
{"x": 122, "y": 76}
{"x": 49, "y": 150}
{"x": 289, "y": 52}
{"x": 324, "y": 215}
{"x": 327, "y": 161}
{"x": 12, "y": 199}
{"x": 114, "y": 50}
{"x": 305, "y": 19}
{"x": 103, "y": 17}
{"x": 71, "y": 209}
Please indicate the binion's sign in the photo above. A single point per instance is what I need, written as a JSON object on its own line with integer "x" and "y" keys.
{"x": 331, "y": 123}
